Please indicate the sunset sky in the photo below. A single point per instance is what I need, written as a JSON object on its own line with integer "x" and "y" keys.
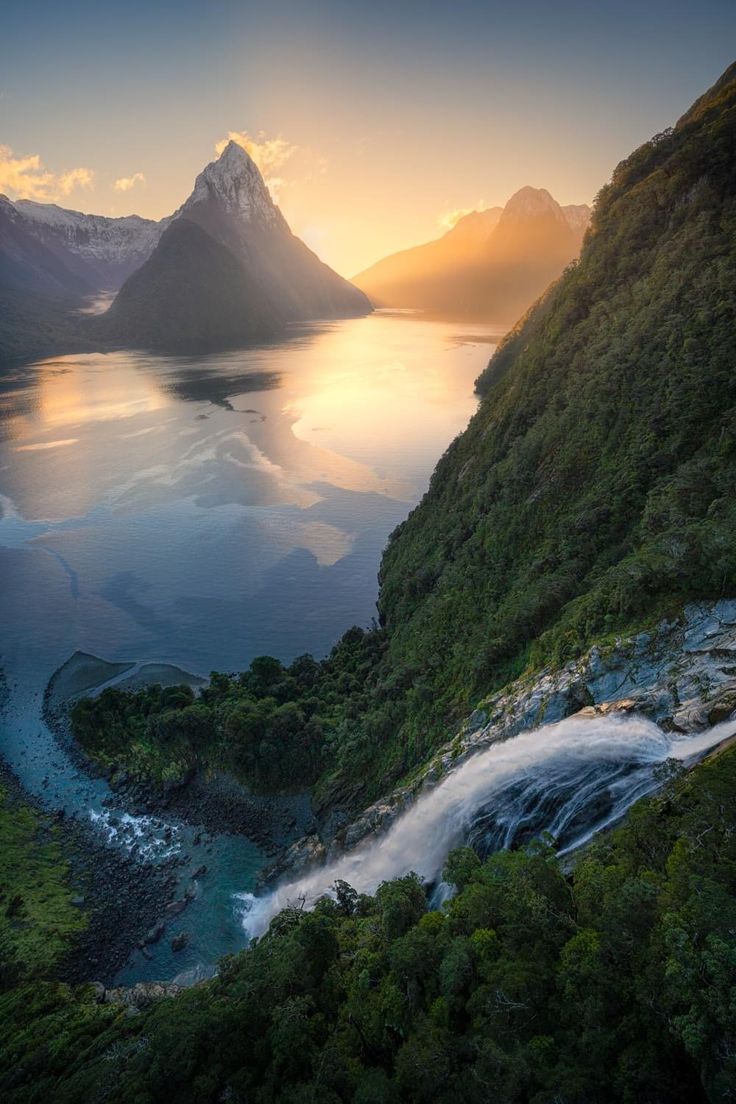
{"x": 374, "y": 122}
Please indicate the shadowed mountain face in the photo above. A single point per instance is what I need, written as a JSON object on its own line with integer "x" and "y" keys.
{"x": 38, "y": 291}
{"x": 223, "y": 270}
{"x": 232, "y": 204}
{"x": 491, "y": 266}
{"x": 191, "y": 295}
{"x": 101, "y": 251}
{"x": 226, "y": 270}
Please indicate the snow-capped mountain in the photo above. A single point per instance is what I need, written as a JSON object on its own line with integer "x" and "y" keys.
{"x": 491, "y": 266}
{"x": 235, "y": 183}
{"x": 100, "y": 250}
{"x": 227, "y": 269}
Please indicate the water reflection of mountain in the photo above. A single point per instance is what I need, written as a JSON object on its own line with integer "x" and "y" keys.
{"x": 207, "y": 383}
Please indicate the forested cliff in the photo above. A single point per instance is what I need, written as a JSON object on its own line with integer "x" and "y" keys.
{"x": 592, "y": 492}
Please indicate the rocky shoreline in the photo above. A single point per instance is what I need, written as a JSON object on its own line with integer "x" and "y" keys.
{"x": 219, "y": 804}
{"x": 130, "y": 903}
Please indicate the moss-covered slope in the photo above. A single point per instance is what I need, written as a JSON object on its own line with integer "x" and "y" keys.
{"x": 596, "y": 482}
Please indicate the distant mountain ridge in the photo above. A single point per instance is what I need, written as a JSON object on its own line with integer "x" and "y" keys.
{"x": 102, "y": 250}
{"x": 491, "y": 266}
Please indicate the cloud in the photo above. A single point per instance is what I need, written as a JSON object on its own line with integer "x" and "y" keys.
{"x": 269, "y": 154}
{"x": 272, "y": 155}
{"x": 125, "y": 183}
{"x": 451, "y": 218}
{"x": 27, "y": 177}
{"x": 76, "y": 178}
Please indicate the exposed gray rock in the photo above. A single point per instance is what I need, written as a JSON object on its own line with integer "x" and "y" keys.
{"x": 98, "y": 991}
{"x": 306, "y": 852}
{"x": 155, "y": 933}
{"x": 682, "y": 675}
{"x": 141, "y": 995}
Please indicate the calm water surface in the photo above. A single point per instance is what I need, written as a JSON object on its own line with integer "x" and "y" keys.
{"x": 200, "y": 512}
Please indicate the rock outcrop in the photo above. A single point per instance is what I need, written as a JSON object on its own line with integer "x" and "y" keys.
{"x": 681, "y": 674}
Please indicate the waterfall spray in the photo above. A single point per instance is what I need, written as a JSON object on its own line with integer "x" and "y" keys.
{"x": 570, "y": 779}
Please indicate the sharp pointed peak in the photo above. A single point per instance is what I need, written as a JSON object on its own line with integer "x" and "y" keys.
{"x": 234, "y": 181}
{"x": 235, "y": 152}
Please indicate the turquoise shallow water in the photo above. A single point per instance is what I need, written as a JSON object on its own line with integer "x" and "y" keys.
{"x": 203, "y": 511}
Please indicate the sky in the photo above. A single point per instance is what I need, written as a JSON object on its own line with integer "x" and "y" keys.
{"x": 374, "y": 123}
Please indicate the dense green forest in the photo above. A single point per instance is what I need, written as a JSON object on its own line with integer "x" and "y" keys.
{"x": 275, "y": 727}
{"x": 614, "y": 984}
{"x": 592, "y": 492}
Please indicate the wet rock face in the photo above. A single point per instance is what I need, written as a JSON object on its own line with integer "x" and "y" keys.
{"x": 305, "y": 853}
{"x": 682, "y": 675}
{"x": 137, "y": 996}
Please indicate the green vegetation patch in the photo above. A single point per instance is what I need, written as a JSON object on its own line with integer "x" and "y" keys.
{"x": 38, "y": 922}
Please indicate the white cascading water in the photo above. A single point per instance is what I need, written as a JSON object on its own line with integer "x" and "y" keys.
{"x": 569, "y": 779}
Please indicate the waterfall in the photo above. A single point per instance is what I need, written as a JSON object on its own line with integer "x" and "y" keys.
{"x": 570, "y": 779}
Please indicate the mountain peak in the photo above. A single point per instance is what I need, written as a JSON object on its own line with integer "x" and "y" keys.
{"x": 234, "y": 182}
{"x": 234, "y": 155}
{"x": 531, "y": 201}
{"x": 476, "y": 224}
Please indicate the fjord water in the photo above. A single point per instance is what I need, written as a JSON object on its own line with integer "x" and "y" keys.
{"x": 201, "y": 511}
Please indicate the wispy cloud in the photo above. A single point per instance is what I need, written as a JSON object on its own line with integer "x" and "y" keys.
{"x": 451, "y": 218}
{"x": 269, "y": 154}
{"x": 76, "y": 178}
{"x": 26, "y": 177}
{"x": 273, "y": 155}
{"x": 125, "y": 183}
{"x": 48, "y": 445}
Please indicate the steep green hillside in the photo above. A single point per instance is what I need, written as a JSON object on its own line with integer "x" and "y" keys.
{"x": 596, "y": 482}
{"x": 592, "y": 491}
{"x": 613, "y": 986}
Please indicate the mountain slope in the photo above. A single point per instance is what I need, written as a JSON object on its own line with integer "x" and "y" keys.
{"x": 626, "y": 964}
{"x": 403, "y": 277}
{"x": 596, "y": 481}
{"x": 210, "y": 298}
{"x": 492, "y": 265}
{"x": 274, "y": 278}
{"x": 38, "y": 292}
{"x": 101, "y": 251}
